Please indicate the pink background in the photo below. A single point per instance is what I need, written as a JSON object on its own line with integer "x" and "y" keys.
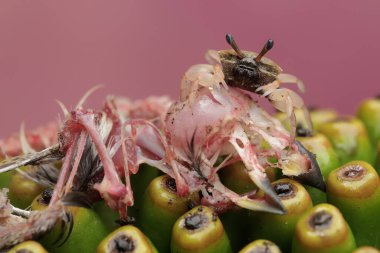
{"x": 59, "y": 49}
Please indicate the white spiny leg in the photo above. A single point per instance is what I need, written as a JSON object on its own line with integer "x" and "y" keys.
{"x": 268, "y": 88}
{"x": 286, "y": 100}
{"x": 212, "y": 57}
{"x": 288, "y": 78}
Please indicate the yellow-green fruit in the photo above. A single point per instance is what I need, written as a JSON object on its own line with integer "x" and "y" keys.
{"x": 199, "y": 231}
{"x": 23, "y": 190}
{"x": 28, "y": 247}
{"x": 126, "y": 239}
{"x": 160, "y": 209}
{"x": 366, "y": 249}
{"x": 280, "y": 228}
{"x": 369, "y": 113}
{"x": 87, "y": 232}
{"x": 236, "y": 178}
{"x": 323, "y": 230}
{"x": 377, "y": 164}
{"x": 261, "y": 246}
{"x": 349, "y": 139}
{"x": 354, "y": 188}
{"x": 5, "y": 179}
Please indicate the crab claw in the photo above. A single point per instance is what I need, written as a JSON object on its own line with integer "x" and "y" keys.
{"x": 261, "y": 204}
{"x": 314, "y": 176}
{"x": 256, "y": 172}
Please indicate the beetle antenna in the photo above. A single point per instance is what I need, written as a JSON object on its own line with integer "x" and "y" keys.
{"x": 232, "y": 43}
{"x": 268, "y": 46}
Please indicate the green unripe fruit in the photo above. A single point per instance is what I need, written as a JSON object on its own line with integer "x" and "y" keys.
{"x": 261, "y": 246}
{"x": 354, "y": 188}
{"x": 160, "y": 209}
{"x": 349, "y": 139}
{"x": 5, "y": 179}
{"x": 139, "y": 183}
{"x": 369, "y": 113}
{"x": 377, "y": 164}
{"x": 323, "y": 230}
{"x": 28, "y": 247}
{"x": 199, "y": 231}
{"x": 88, "y": 229}
{"x": 280, "y": 228}
{"x": 23, "y": 190}
{"x": 126, "y": 239}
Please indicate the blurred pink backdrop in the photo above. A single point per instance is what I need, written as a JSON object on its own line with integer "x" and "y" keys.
{"x": 59, "y": 49}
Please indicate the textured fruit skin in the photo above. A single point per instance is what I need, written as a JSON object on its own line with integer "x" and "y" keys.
{"x": 28, "y": 247}
{"x": 142, "y": 243}
{"x": 280, "y": 228}
{"x": 209, "y": 239}
{"x": 159, "y": 211}
{"x": 261, "y": 246}
{"x": 369, "y": 113}
{"x": 337, "y": 238}
{"x": 87, "y": 232}
{"x": 359, "y": 203}
{"x": 349, "y": 138}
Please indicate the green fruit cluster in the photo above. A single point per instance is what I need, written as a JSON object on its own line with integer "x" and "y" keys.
{"x": 343, "y": 219}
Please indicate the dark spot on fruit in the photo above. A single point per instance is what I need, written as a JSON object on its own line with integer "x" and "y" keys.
{"x": 321, "y": 220}
{"x": 284, "y": 190}
{"x": 302, "y": 131}
{"x": 352, "y": 172}
{"x": 126, "y": 221}
{"x": 122, "y": 244}
{"x": 193, "y": 222}
{"x": 170, "y": 184}
{"x": 46, "y": 196}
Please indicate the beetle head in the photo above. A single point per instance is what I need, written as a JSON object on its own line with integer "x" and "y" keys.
{"x": 248, "y": 70}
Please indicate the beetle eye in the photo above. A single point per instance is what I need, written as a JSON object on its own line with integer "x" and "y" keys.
{"x": 268, "y": 46}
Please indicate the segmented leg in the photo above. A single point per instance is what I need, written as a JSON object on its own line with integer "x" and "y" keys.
{"x": 288, "y": 78}
{"x": 286, "y": 100}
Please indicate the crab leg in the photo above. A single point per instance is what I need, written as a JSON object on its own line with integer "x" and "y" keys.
{"x": 255, "y": 171}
